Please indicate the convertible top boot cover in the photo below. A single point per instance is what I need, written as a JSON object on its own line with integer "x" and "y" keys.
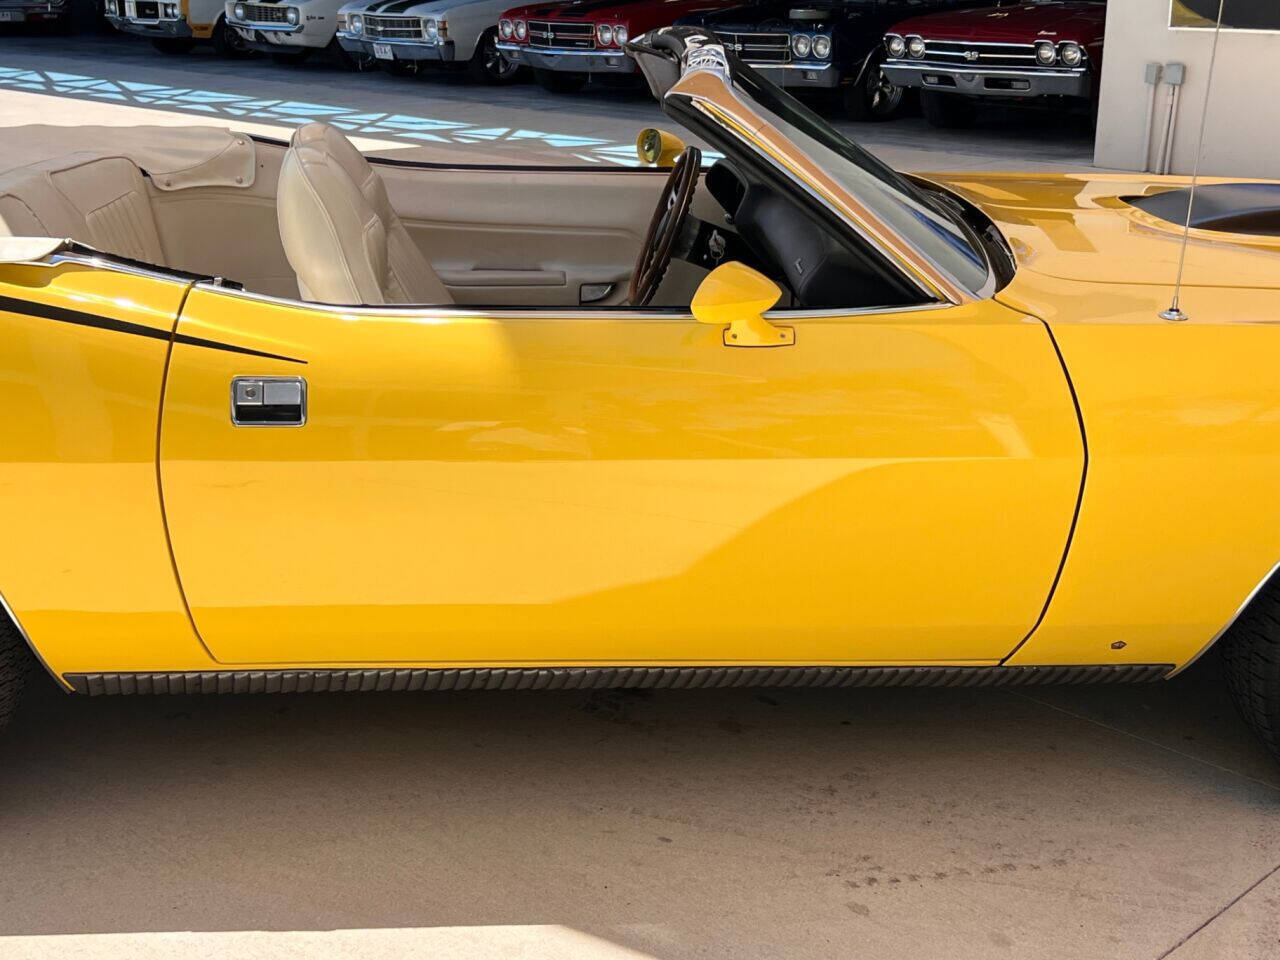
{"x": 340, "y": 233}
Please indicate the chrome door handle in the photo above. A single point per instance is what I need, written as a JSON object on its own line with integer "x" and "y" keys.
{"x": 268, "y": 401}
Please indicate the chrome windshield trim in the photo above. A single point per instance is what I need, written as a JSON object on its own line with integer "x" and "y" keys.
{"x": 1230, "y": 623}
{"x": 702, "y": 86}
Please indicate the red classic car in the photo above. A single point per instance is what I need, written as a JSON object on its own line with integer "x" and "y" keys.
{"x": 1038, "y": 49}
{"x": 566, "y": 42}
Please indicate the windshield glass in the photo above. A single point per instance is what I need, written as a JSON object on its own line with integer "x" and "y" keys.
{"x": 891, "y": 197}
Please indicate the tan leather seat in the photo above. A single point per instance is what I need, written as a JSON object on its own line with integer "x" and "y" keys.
{"x": 342, "y": 238}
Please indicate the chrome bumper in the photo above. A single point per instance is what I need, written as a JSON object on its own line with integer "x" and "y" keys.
{"x": 403, "y": 49}
{"x": 812, "y": 76}
{"x": 569, "y": 61}
{"x": 179, "y": 29}
{"x": 990, "y": 81}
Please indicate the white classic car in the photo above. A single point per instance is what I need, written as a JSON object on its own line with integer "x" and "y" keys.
{"x": 290, "y": 30}
{"x": 403, "y": 36}
{"x": 175, "y": 27}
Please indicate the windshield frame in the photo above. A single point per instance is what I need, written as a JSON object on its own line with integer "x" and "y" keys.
{"x": 707, "y": 91}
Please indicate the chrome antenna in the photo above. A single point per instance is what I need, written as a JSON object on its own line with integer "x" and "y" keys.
{"x": 1174, "y": 310}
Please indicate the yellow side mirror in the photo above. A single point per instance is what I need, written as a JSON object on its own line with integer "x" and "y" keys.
{"x": 657, "y": 147}
{"x": 736, "y": 296}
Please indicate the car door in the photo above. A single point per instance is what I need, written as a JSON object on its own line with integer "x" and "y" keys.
{"x": 443, "y": 486}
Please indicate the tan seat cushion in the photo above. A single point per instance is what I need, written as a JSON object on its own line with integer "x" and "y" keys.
{"x": 101, "y": 201}
{"x": 340, "y": 233}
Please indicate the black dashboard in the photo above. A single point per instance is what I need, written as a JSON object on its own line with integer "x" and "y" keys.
{"x": 819, "y": 265}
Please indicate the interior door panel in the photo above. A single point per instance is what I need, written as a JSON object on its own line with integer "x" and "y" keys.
{"x": 495, "y": 236}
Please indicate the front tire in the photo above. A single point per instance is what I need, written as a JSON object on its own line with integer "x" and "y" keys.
{"x": 15, "y": 665}
{"x": 873, "y": 98}
{"x": 1251, "y": 661}
{"x": 557, "y": 82}
{"x": 227, "y": 42}
{"x": 488, "y": 65}
{"x": 173, "y": 45}
{"x": 946, "y": 110}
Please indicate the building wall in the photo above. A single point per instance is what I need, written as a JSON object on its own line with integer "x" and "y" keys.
{"x": 1242, "y": 135}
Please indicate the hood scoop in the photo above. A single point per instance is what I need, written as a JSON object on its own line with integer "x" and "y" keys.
{"x": 1248, "y": 208}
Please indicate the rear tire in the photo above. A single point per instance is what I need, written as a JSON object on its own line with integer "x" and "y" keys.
{"x": 488, "y": 65}
{"x": 1251, "y": 661}
{"x": 557, "y": 82}
{"x": 946, "y": 110}
{"x": 15, "y": 665}
{"x": 173, "y": 45}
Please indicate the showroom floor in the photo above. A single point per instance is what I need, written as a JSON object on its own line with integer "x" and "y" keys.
{"x": 1044, "y": 823}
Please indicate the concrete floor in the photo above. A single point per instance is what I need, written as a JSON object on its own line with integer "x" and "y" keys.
{"x": 1089, "y": 824}
{"x": 1057, "y": 823}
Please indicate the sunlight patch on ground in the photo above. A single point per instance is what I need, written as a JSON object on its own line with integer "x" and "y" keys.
{"x": 439, "y": 943}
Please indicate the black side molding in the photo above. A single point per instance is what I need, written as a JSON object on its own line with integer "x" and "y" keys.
{"x": 595, "y": 678}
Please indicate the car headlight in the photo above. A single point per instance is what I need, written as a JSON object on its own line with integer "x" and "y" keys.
{"x": 604, "y": 34}
{"x": 238, "y": 10}
{"x": 110, "y": 7}
{"x": 896, "y": 46}
{"x": 292, "y": 16}
{"x": 521, "y": 29}
{"x": 1045, "y": 53}
{"x": 431, "y": 29}
{"x": 1071, "y": 54}
{"x": 915, "y": 47}
{"x": 504, "y": 28}
{"x": 801, "y": 44}
{"x": 821, "y": 47}
{"x": 620, "y": 34}
{"x": 355, "y": 23}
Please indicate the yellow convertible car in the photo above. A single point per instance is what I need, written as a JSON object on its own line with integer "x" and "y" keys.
{"x": 283, "y": 418}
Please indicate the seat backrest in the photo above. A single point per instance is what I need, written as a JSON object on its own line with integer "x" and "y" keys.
{"x": 342, "y": 238}
{"x": 100, "y": 201}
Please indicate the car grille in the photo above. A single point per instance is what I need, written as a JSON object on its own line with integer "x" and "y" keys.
{"x": 393, "y": 28}
{"x": 980, "y": 54}
{"x": 758, "y": 47}
{"x": 570, "y": 36}
{"x": 143, "y": 10}
{"x": 264, "y": 13}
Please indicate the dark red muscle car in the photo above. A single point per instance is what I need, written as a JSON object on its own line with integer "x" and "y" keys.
{"x": 1038, "y": 49}
{"x": 566, "y": 42}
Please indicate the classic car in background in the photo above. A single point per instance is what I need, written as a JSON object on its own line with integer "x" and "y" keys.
{"x": 290, "y": 30}
{"x": 1044, "y": 50}
{"x": 567, "y": 43}
{"x": 403, "y": 37}
{"x": 53, "y": 13}
{"x": 175, "y": 27}
{"x": 827, "y": 45}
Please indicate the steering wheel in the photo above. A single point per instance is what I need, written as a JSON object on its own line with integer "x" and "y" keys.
{"x": 664, "y": 227}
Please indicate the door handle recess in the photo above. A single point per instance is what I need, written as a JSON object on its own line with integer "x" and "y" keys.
{"x": 268, "y": 401}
